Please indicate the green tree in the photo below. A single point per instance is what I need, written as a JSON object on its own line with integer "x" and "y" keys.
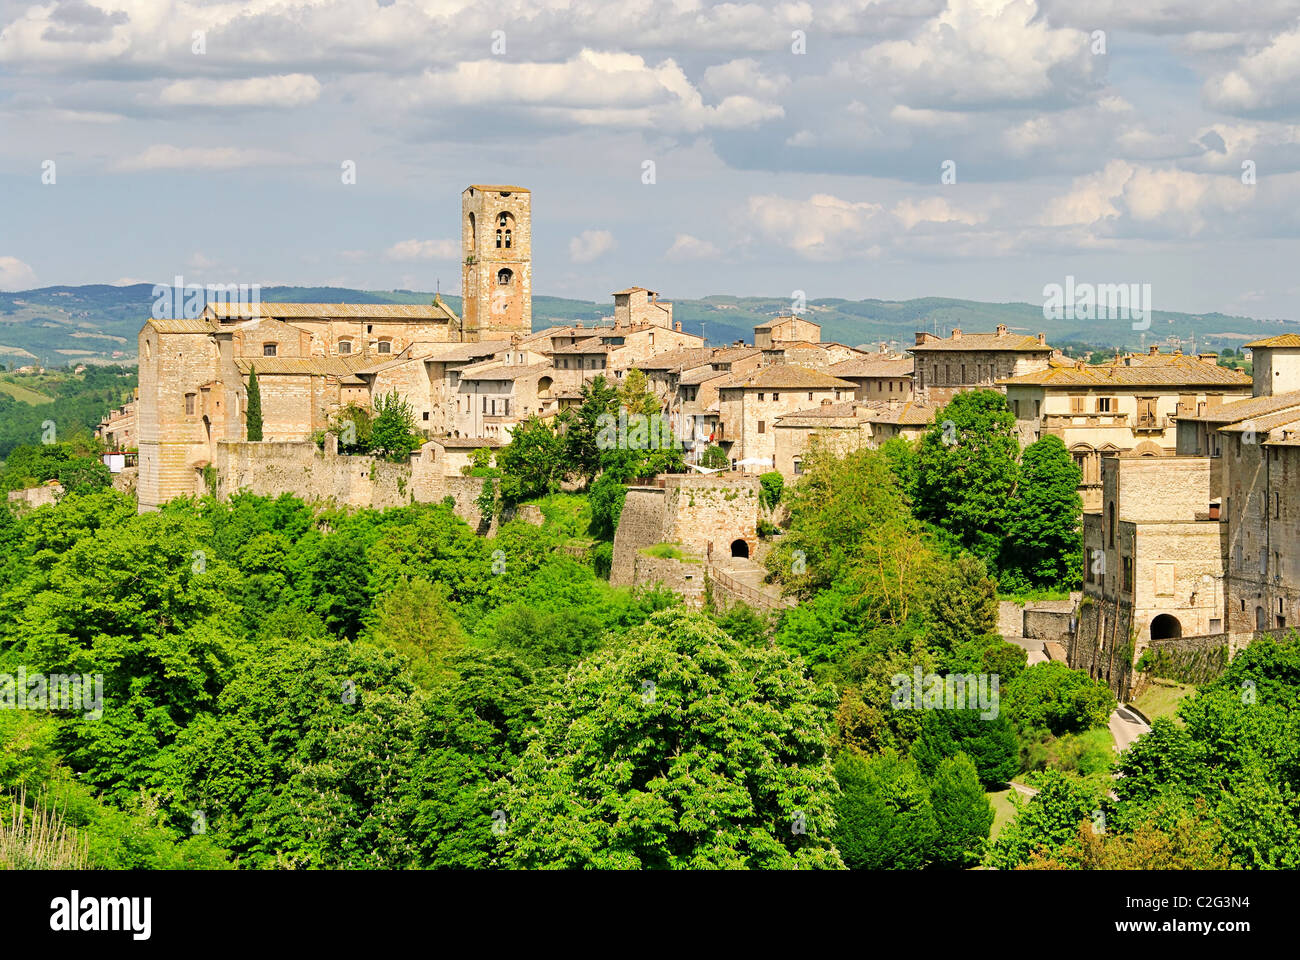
{"x": 1047, "y": 821}
{"x": 635, "y": 395}
{"x": 679, "y": 748}
{"x": 532, "y": 464}
{"x": 1051, "y": 696}
{"x": 771, "y": 484}
{"x": 580, "y": 427}
{"x": 253, "y": 415}
{"x": 962, "y": 605}
{"x": 1044, "y": 535}
{"x": 606, "y": 499}
{"x": 967, "y": 471}
{"x": 85, "y": 475}
{"x": 416, "y": 620}
{"x": 962, "y": 813}
{"x": 714, "y": 458}
{"x": 990, "y": 743}
{"x": 884, "y": 818}
{"x": 393, "y": 434}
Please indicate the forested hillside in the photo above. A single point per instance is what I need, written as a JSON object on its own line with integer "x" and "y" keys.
{"x": 292, "y": 685}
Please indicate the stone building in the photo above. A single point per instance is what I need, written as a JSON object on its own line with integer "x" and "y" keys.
{"x": 789, "y": 328}
{"x": 880, "y": 376}
{"x": 1127, "y": 406}
{"x": 639, "y": 307}
{"x": 1196, "y": 553}
{"x": 845, "y": 426}
{"x": 497, "y": 270}
{"x": 945, "y": 366}
{"x": 120, "y": 429}
{"x": 750, "y": 403}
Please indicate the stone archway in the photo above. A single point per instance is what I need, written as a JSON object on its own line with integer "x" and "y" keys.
{"x": 740, "y": 548}
{"x": 1166, "y": 627}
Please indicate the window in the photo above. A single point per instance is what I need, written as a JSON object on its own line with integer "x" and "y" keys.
{"x": 385, "y": 346}
{"x": 1105, "y": 404}
{"x": 426, "y": 415}
{"x": 760, "y": 397}
{"x": 1126, "y": 574}
{"x": 1146, "y": 412}
{"x": 798, "y": 467}
{"x": 1076, "y": 405}
{"x": 762, "y": 427}
{"x": 190, "y": 402}
{"x": 776, "y": 396}
{"x": 345, "y": 347}
{"x": 504, "y": 277}
{"x": 268, "y": 349}
{"x": 810, "y": 396}
{"x": 1277, "y": 504}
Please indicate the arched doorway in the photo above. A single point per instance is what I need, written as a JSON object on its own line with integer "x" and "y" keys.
{"x": 1166, "y": 627}
{"x": 739, "y": 548}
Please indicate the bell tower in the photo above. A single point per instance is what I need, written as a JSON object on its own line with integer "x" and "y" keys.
{"x": 497, "y": 269}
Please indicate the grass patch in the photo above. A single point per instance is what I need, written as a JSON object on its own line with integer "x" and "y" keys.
{"x": 1003, "y": 811}
{"x": 1021, "y": 597}
{"x": 1161, "y": 698}
{"x": 669, "y": 551}
{"x": 569, "y": 512}
{"x": 23, "y": 394}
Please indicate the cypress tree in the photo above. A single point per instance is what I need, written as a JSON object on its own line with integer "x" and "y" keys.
{"x": 254, "y": 406}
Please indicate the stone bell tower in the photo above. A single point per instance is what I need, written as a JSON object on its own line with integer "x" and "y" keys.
{"x": 497, "y": 265}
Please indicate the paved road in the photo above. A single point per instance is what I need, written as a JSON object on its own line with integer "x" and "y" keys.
{"x": 1125, "y": 727}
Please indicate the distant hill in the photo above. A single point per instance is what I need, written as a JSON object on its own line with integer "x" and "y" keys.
{"x": 98, "y": 323}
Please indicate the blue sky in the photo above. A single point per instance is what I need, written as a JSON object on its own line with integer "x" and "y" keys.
{"x": 1112, "y": 157}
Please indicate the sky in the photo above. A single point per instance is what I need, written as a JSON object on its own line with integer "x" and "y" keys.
{"x": 846, "y": 148}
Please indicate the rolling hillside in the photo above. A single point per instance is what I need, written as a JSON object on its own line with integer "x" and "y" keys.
{"x": 97, "y": 324}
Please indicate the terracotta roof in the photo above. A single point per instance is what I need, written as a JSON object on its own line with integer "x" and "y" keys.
{"x": 1247, "y": 408}
{"x": 1262, "y": 423}
{"x": 785, "y": 375}
{"x": 730, "y": 354}
{"x": 817, "y": 416}
{"x": 1159, "y": 370}
{"x": 619, "y": 293}
{"x": 910, "y": 413}
{"x": 492, "y": 370}
{"x": 784, "y": 320}
{"x": 590, "y": 345}
{"x": 1281, "y": 340}
{"x": 456, "y": 352}
{"x": 872, "y": 367}
{"x": 330, "y": 311}
{"x": 181, "y": 325}
{"x": 698, "y": 375}
{"x": 316, "y": 366}
{"x": 670, "y": 359}
{"x": 985, "y": 341}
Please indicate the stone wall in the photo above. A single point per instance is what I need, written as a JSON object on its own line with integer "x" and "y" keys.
{"x": 298, "y": 467}
{"x": 641, "y": 524}
{"x": 716, "y": 509}
{"x": 1047, "y": 624}
{"x": 685, "y": 578}
{"x": 1186, "y": 659}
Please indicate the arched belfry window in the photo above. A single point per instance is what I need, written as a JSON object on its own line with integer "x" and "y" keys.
{"x": 504, "y": 277}
{"x": 505, "y": 230}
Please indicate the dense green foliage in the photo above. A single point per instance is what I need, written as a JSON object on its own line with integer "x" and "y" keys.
{"x": 78, "y": 402}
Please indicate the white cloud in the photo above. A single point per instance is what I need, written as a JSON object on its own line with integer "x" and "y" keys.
{"x": 16, "y": 275}
{"x": 823, "y": 227}
{"x": 983, "y": 53}
{"x": 687, "y": 247}
{"x": 932, "y": 210}
{"x": 285, "y": 90}
{"x": 1091, "y": 198}
{"x": 743, "y": 77}
{"x": 593, "y": 88}
{"x": 589, "y": 245}
{"x": 424, "y": 250}
{"x": 162, "y": 156}
{"x": 1266, "y": 79}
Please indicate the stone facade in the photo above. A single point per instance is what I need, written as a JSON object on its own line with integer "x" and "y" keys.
{"x": 497, "y": 270}
{"x": 946, "y": 366}
{"x": 788, "y": 328}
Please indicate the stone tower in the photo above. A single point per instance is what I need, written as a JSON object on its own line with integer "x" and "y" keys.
{"x": 497, "y": 269}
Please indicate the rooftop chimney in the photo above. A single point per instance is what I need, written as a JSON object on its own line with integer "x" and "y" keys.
{"x": 1002, "y": 329}
{"x": 677, "y": 325}
{"x": 956, "y": 333}
{"x": 1153, "y": 350}
{"x": 1042, "y": 339}
{"x": 826, "y": 401}
{"x": 578, "y": 324}
{"x": 1209, "y": 358}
